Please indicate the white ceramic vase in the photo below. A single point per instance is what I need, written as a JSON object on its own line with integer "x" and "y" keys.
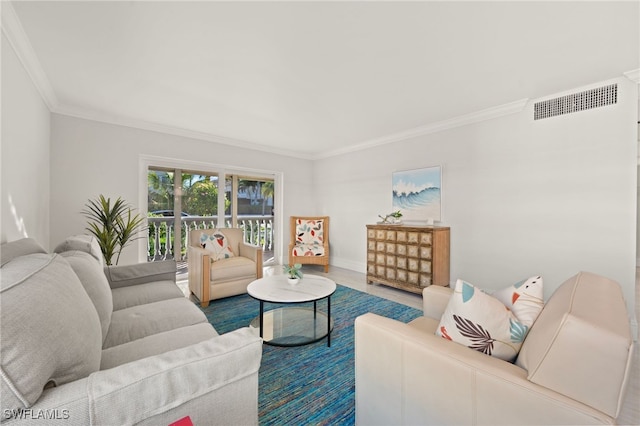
{"x": 293, "y": 281}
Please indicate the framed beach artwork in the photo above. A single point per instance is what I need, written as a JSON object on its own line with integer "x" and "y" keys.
{"x": 418, "y": 194}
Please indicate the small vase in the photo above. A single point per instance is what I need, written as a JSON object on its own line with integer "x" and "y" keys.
{"x": 293, "y": 281}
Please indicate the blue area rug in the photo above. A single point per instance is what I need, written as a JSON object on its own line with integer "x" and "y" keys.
{"x": 312, "y": 384}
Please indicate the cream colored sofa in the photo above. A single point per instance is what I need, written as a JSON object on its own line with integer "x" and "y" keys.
{"x": 211, "y": 280}
{"x": 572, "y": 369}
{"x": 83, "y": 345}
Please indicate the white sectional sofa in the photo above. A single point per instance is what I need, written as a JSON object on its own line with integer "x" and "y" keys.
{"x": 119, "y": 345}
{"x": 572, "y": 369}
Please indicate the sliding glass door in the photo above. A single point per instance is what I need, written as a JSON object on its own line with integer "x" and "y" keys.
{"x": 179, "y": 201}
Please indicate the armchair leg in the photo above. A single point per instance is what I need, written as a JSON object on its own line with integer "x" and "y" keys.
{"x": 206, "y": 281}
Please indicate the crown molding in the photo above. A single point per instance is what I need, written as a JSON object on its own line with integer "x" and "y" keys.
{"x": 633, "y": 75}
{"x": 439, "y": 126}
{"x": 463, "y": 120}
{"x": 173, "y": 130}
{"x": 12, "y": 29}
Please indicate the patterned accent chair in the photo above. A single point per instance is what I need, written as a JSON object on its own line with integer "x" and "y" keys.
{"x": 221, "y": 263}
{"x": 309, "y": 241}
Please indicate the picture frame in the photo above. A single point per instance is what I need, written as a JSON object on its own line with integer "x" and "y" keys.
{"x": 417, "y": 194}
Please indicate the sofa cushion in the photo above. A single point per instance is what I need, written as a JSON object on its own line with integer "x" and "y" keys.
{"x": 156, "y": 344}
{"x": 141, "y": 321}
{"x": 81, "y": 242}
{"x": 481, "y": 322}
{"x": 307, "y": 250}
{"x": 92, "y": 277}
{"x": 580, "y": 345}
{"x": 217, "y": 244}
{"x": 141, "y": 294}
{"x": 140, "y": 273}
{"x": 50, "y": 329}
{"x": 13, "y": 249}
{"x": 232, "y": 269}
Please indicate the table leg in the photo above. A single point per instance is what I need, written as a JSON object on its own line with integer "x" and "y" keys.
{"x": 329, "y": 321}
{"x": 261, "y": 316}
{"x": 314, "y": 310}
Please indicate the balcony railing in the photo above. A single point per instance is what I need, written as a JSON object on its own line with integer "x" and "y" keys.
{"x": 258, "y": 230}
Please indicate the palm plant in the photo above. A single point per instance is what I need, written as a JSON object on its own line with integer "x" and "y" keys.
{"x": 114, "y": 225}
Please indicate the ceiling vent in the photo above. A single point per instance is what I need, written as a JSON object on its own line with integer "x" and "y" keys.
{"x": 594, "y": 98}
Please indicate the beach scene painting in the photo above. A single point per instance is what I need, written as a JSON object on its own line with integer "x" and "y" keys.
{"x": 417, "y": 194}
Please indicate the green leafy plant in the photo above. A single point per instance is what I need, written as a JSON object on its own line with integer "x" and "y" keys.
{"x": 293, "y": 271}
{"x": 395, "y": 215}
{"x": 114, "y": 225}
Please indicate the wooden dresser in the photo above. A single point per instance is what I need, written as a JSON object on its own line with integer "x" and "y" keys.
{"x": 408, "y": 257}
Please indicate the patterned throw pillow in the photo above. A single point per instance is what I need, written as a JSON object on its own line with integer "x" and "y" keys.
{"x": 217, "y": 244}
{"x": 482, "y": 322}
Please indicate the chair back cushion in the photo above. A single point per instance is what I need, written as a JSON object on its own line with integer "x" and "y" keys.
{"x": 309, "y": 232}
{"x": 50, "y": 330}
{"x": 581, "y": 345}
{"x": 95, "y": 283}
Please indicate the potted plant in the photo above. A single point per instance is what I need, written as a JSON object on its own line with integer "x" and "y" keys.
{"x": 293, "y": 273}
{"x": 114, "y": 225}
{"x": 397, "y": 215}
{"x": 394, "y": 217}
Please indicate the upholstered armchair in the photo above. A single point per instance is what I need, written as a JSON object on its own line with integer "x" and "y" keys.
{"x": 221, "y": 263}
{"x": 309, "y": 241}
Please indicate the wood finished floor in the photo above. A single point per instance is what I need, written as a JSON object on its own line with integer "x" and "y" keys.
{"x": 630, "y": 414}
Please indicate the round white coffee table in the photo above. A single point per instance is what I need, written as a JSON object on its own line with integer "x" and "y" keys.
{"x": 293, "y": 326}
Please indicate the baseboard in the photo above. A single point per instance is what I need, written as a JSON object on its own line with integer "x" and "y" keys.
{"x": 347, "y": 264}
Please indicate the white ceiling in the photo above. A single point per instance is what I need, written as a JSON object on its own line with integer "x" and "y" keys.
{"x": 315, "y": 78}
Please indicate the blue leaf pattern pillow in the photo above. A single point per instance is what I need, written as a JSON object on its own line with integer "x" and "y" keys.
{"x": 482, "y": 322}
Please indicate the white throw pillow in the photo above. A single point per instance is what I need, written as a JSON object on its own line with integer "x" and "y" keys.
{"x": 525, "y": 299}
{"x": 482, "y": 322}
{"x": 217, "y": 244}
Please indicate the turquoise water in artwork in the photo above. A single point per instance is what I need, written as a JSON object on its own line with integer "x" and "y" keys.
{"x": 415, "y": 200}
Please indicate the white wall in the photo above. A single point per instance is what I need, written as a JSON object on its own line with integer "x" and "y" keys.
{"x": 24, "y": 153}
{"x": 522, "y": 197}
{"x": 90, "y": 158}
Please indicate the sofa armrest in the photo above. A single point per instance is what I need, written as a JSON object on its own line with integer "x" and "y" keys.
{"x": 222, "y": 370}
{"x": 140, "y": 273}
{"x": 601, "y": 353}
{"x": 407, "y": 376}
{"x": 65, "y": 404}
{"x": 435, "y": 299}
